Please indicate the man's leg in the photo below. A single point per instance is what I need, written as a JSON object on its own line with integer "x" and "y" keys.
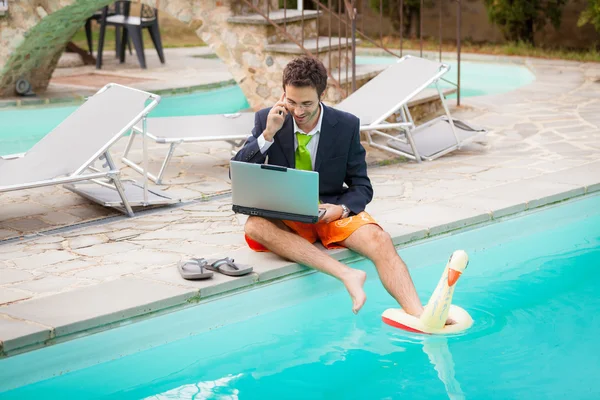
{"x": 374, "y": 243}
{"x": 277, "y": 237}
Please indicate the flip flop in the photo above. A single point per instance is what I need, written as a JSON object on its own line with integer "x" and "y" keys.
{"x": 227, "y": 266}
{"x": 194, "y": 268}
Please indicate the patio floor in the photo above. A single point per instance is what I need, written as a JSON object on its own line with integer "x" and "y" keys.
{"x": 544, "y": 146}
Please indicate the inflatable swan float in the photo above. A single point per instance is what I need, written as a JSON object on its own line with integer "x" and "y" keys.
{"x": 439, "y": 307}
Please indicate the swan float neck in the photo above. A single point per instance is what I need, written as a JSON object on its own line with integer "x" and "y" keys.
{"x": 439, "y": 307}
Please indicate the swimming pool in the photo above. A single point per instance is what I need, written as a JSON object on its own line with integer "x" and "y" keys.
{"x": 531, "y": 287}
{"x": 21, "y": 128}
{"x": 476, "y": 78}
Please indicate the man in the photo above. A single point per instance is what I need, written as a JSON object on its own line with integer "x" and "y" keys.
{"x": 300, "y": 132}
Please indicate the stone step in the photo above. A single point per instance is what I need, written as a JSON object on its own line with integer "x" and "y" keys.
{"x": 311, "y": 45}
{"x": 278, "y": 17}
{"x": 333, "y": 56}
{"x": 256, "y": 25}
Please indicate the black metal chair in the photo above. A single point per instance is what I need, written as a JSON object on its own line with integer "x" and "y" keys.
{"x": 97, "y": 16}
{"x": 132, "y": 27}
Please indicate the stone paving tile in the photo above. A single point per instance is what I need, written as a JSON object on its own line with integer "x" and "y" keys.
{"x": 108, "y": 271}
{"x": 496, "y": 207}
{"x": 60, "y": 218}
{"x": 106, "y": 249}
{"x": 506, "y": 174}
{"x": 436, "y": 217}
{"x": 184, "y": 249}
{"x": 125, "y": 234}
{"x": 50, "y": 283}
{"x": 70, "y": 267}
{"x": 11, "y": 275}
{"x": 556, "y": 165}
{"x": 7, "y": 233}
{"x": 15, "y": 333}
{"x": 25, "y": 225}
{"x": 42, "y": 260}
{"x": 81, "y": 242}
{"x": 219, "y": 283}
{"x": 402, "y": 234}
{"x": 534, "y": 192}
{"x": 94, "y": 306}
{"x": 267, "y": 266}
{"x": 11, "y": 295}
{"x": 584, "y": 175}
{"x": 147, "y": 257}
{"x": 20, "y": 210}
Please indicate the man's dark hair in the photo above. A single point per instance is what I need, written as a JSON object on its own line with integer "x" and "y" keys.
{"x": 306, "y": 71}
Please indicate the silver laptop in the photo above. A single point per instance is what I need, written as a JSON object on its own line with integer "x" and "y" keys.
{"x": 276, "y": 192}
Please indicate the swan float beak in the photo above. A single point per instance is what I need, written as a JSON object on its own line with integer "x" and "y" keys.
{"x": 453, "y": 276}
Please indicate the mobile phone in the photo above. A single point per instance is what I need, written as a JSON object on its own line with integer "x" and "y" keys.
{"x": 322, "y": 212}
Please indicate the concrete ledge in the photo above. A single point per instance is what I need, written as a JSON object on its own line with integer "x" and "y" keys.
{"x": 76, "y": 100}
{"x": 436, "y": 218}
{"x": 47, "y": 320}
{"x": 310, "y": 45}
{"x": 554, "y": 198}
{"x": 278, "y": 17}
{"x": 91, "y": 307}
{"x": 593, "y": 188}
{"x": 16, "y": 333}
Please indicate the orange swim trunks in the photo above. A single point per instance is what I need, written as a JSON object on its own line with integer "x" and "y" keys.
{"x": 330, "y": 234}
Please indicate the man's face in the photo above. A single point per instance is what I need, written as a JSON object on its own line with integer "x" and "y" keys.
{"x": 303, "y": 104}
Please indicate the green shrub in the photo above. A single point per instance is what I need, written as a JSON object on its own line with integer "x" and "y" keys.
{"x": 519, "y": 19}
{"x": 591, "y": 15}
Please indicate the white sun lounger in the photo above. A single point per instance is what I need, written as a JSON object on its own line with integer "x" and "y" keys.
{"x": 231, "y": 128}
{"x": 68, "y": 153}
{"x": 388, "y": 94}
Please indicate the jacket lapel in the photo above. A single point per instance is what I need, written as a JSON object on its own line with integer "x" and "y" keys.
{"x": 285, "y": 138}
{"x": 327, "y": 137}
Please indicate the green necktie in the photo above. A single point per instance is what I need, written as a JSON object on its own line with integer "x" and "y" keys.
{"x": 303, "y": 160}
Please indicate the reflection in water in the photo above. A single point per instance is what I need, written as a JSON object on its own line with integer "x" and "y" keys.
{"x": 436, "y": 348}
{"x": 202, "y": 390}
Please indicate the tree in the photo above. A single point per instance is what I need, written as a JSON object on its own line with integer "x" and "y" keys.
{"x": 519, "y": 19}
{"x": 591, "y": 15}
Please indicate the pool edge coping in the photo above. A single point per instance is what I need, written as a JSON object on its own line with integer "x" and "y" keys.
{"x": 31, "y": 341}
{"x": 73, "y": 100}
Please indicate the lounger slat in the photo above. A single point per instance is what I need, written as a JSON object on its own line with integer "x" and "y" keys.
{"x": 199, "y": 127}
{"x": 393, "y": 87}
{"x": 82, "y": 137}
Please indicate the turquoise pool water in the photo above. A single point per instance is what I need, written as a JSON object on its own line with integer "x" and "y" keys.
{"x": 531, "y": 287}
{"x": 21, "y": 128}
{"x": 477, "y": 78}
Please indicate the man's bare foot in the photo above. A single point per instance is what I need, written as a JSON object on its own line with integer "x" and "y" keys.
{"x": 354, "y": 281}
{"x": 450, "y": 321}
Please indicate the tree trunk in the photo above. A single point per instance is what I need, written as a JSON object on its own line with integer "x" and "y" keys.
{"x": 85, "y": 56}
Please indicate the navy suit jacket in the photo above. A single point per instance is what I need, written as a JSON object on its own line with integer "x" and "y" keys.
{"x": 340, "y": 156}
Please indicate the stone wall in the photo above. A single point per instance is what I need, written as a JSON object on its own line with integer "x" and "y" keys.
{"x": 35, "y": 33}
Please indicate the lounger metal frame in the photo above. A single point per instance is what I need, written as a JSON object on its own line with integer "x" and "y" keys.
{"x": 87, "y": 171}
{"x": 405, "y": 123}
{"x": 233, "y": 139}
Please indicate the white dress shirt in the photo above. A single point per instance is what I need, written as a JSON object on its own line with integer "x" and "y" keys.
{"x": 312, "y": 146}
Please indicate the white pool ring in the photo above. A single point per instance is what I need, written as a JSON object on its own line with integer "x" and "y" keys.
{"x": 398, "y": 318}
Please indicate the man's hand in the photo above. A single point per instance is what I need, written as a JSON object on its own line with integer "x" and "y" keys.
{"x": 333, "y": 212}
{"x": 275, "y": 119}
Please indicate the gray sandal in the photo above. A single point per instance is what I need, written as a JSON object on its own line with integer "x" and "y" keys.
{"x": 194, "y": 268}
{"x": 227, "y": 266}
